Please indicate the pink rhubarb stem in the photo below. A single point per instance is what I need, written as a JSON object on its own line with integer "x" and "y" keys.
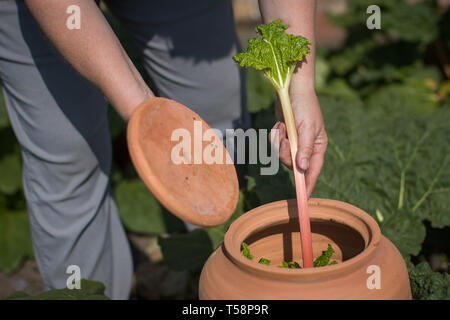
{"x": 303, "y": 215}
{"x": 299, "y": 178}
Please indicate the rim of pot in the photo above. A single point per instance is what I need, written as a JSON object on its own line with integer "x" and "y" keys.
{"x": 266, "y": 216}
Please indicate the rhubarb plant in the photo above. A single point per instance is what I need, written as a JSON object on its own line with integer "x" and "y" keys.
{"x": 276, "y": 54}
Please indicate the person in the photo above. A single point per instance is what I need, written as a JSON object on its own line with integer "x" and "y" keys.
{"x": 55, "y": 82}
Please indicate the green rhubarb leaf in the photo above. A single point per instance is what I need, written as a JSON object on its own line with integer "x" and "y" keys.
{"x": 426, "y": 284}
{"x": 246, "y": 251}
{"x": 415, "y": 22}
{"x": 324, "y": 259}
{"x": 290, "y": 265}
{"x": 264, "y": 261}
{"x": 394, "y": 164}
{"x": 276, "y": 54}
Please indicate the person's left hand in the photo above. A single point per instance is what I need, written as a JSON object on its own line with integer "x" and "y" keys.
{"x": 312, "y": 137}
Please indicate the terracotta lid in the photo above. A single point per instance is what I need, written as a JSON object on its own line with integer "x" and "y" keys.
{"x": 195, "y": 190}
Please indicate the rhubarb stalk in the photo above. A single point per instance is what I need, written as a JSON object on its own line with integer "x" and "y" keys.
{"x": 299, "y": 179}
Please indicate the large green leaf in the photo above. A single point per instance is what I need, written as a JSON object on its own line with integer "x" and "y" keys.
{"x": 89, "y": 290}
{"x": 15, "y": 240}
{"x": 352, "y": 56}
{"x": 415, "y": 22}
{"x": 426, "y": 284}
{"x": 395, "y": 168}
{"x": 141, "y": 212}
{"x": 415, "y": 100}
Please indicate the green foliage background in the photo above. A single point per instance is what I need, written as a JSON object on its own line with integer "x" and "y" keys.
{"x": 385, "y": 97}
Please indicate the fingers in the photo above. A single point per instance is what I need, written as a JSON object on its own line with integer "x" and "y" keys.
{"x": 316, "y": 163}
{"x": 306, "y": 139}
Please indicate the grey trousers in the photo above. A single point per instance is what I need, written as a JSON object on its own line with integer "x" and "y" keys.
{"x": 60, "y": 121}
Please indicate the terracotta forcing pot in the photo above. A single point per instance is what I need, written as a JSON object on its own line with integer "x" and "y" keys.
{"x": 369, "y": 265}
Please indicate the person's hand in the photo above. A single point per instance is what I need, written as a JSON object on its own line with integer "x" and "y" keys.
{"x": 312, "y": 137}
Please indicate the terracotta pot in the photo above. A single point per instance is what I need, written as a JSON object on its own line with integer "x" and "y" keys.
{"x": 271, "y": 231}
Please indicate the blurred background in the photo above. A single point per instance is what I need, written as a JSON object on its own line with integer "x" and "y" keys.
{"x": 385, "y": 96}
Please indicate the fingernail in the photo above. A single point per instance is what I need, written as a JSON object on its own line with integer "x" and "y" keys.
{"x": 304, "y": 164}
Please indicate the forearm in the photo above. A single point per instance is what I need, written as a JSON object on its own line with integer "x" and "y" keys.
{"x": 300, "y": 16}
{"x": 93, "y": 50}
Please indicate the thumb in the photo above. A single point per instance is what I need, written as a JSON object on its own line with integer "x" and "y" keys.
{"x": 305, "y": 147}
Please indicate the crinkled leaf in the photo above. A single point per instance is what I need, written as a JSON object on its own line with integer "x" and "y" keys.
{"x": 372, "y": 159}
{"x": 414, "y": 168}
{"x": 246, "y": 251}
{"x": 426, "y": 284}
{"x": 324, "y": 258}
{"x": 415, "y": 22}
{"x": 351, "y": 57}
{"x": 276, "y": 54}
{"x": 338, "y": 88}
{"x": 290, "y": 265}
{"x": 264, "y": 261}
{"x": 416, "y": 100}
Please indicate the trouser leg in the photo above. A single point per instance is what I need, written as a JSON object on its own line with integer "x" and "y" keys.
{"x": 60, "y": 121}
